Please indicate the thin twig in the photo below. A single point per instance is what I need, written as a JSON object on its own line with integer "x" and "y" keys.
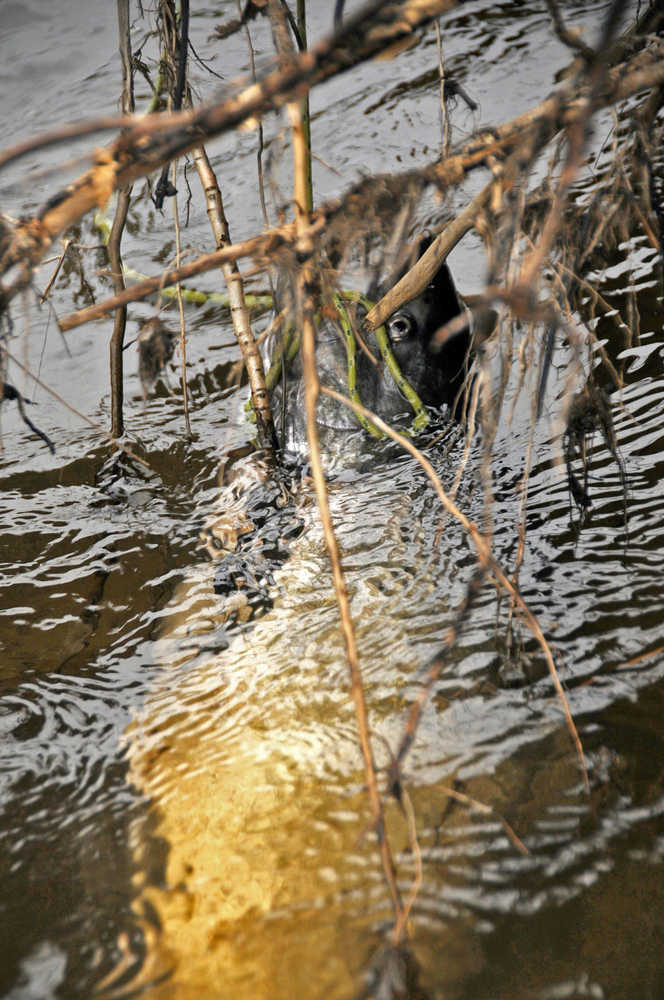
{"x": 608, "y": 309}
{"x": 143, "y": 148}
{"x": 183, "y": 332}
{"x": 47, "y": 291}
{"x": 400, "y": 925}
{"x": 567, "y": 37}
{"x": 486, "y": 810}
{"x": 72, "y": 409}
{"x": 523, "y": 500}
{"x": 261, "y": 142}
{"x": 116, "y": 357}
{"x": 444, "y": 117}
{"x": 175, "y": 49}
{"x": 256, "y": 246}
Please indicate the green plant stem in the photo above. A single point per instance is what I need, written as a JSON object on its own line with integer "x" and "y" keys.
{"x": 191, "y": 295}
{"x": 405, "y": 388}
{"x": 351, "y": 355}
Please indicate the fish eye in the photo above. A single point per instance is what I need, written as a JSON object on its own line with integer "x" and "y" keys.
{"x": 400, "y": 326}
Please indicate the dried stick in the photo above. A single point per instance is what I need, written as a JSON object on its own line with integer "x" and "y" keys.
{"x": 444, "y": 117}
{"x": 470, "y": 415}
{"x": 304, "y": 109}
{"x": 541, "y": 123}
{"x": 521, "y": 515}
{"x": 567, "y": 37}
{"x": 239, "y": 313}
{"x": 47, "y": 291}
{"x": 174, "y": 56}
{"x": 77, "y": 130}
{"x": 120, "y": 319}
{"x": 257, "y": 246}
{"x": 425, "y": 269}
{"x": 607, "y": 308}
{"x": 145, "y": 147}
{"x": 261, "y": 142}
{"x": 400, "y": 925}
{"x": 486, "y": 810}
{"x": 312, "y": 390}
{"x": 8, "y": 391}
{"x": 163, "y": 137}
{"x": 576, "y": 127}
{"x": 175, "y": 50}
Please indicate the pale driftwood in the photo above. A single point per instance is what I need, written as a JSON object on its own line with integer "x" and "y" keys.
{"x": 239, "y": 312}
{"x": 424, "y": 270}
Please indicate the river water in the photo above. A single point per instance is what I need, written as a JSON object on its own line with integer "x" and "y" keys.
{"x": 182, "y": 811}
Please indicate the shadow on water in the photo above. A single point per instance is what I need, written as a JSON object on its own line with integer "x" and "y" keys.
{"x": 182, "y": 807}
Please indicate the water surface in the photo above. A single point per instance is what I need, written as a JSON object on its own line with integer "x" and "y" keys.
{"x": 182, "y": 804}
